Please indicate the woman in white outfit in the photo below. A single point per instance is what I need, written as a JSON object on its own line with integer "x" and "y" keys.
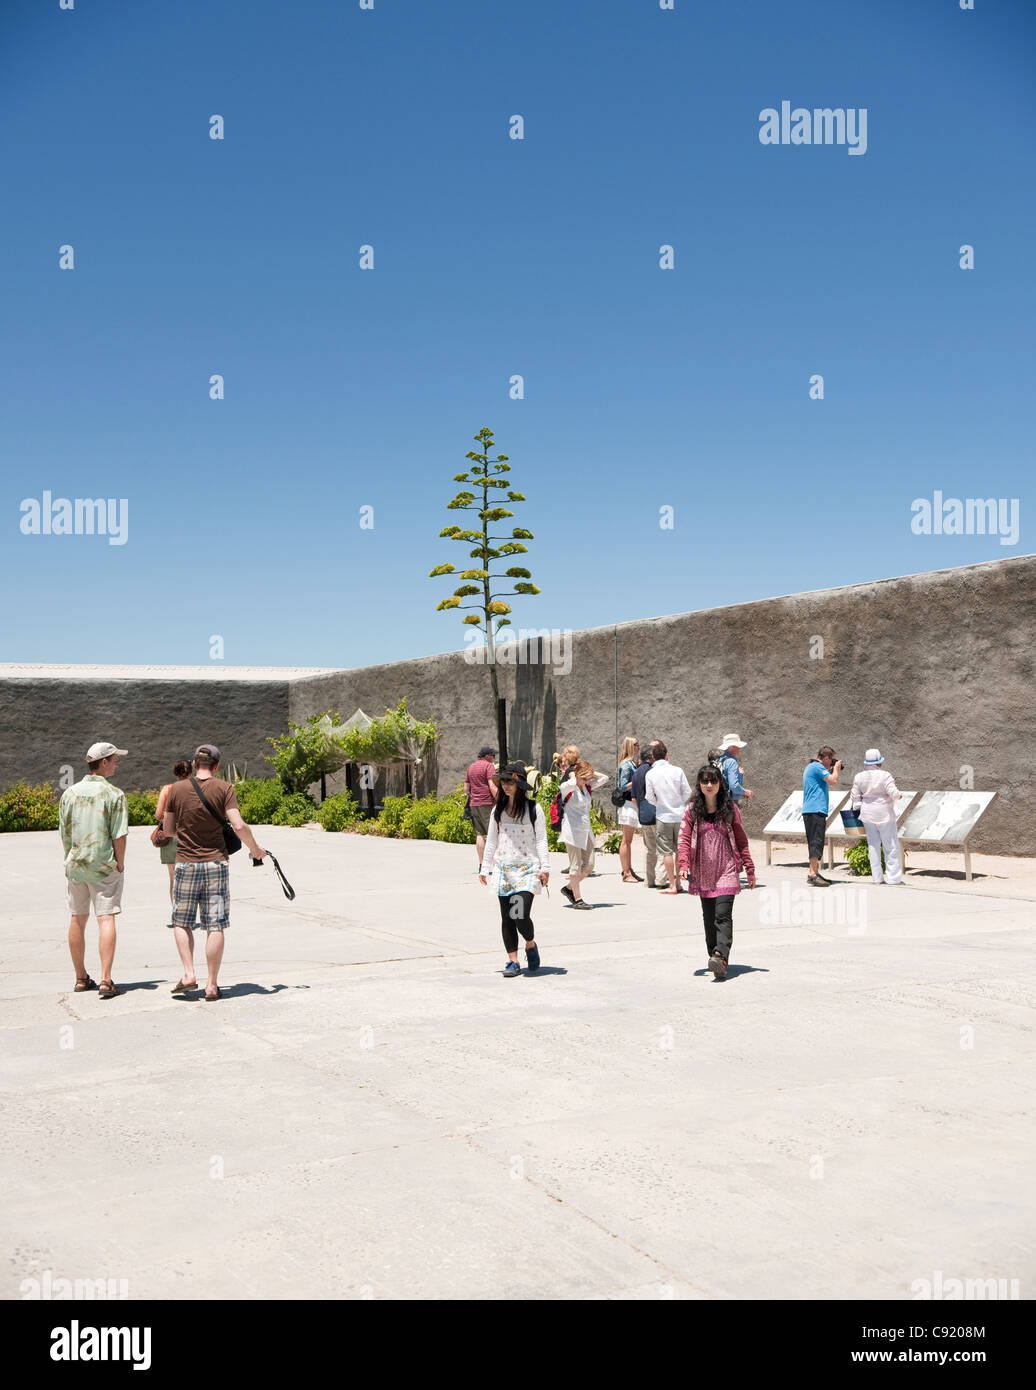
{"x": 875, "y": 793}
{"x": 576, "y": 831}
{"x": 628, "y": 817}
{"x": 516, "y": 863}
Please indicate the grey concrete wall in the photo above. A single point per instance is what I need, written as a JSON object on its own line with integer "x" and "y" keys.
{"x": 935, "y": 669}
{"x": 45, "y": 724}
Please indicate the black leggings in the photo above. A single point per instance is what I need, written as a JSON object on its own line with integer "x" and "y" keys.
{"x": 718, "y": 916}
{"x": 515, "y": 917}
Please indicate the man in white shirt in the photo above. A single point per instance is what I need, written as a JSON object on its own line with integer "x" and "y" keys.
{"x": 669, "y": 791}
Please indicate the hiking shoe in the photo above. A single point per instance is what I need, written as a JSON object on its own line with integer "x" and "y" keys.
{"x": 581, "y": 903}
{"x": 817, "y": 882}
{"x": 717, "y": 965}
{"x": 532, "y": 957}
{"x": 511, "y": 969}
{"x": 658, "y": 885}
{"x": 567, "y": 893}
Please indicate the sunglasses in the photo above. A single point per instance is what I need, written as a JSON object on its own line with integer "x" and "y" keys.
{"x": 709, "y": 781}
{"x": 506, "y": 779}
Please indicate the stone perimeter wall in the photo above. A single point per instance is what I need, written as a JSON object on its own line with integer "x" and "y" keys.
{"x": 46, "y": 724}
{"x": 936, "y": 669}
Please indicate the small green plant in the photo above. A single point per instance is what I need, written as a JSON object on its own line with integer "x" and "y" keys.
{"x": 259, "y": 798}
{"x": 857, "y": 857}
{"x": 296, "y": 809}
{"x": 24, "y": 807}
{"x": 612, "y": 843}
{"x": 338, "y": 811}
{"x": 141, "y": 807}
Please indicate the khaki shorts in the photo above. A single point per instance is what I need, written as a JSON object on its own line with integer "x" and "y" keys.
{"x": 668, "y": 837}
{"x": 580, "y": 858}
{"x": 480, "y": 819}
{"x": 105, "y": 898}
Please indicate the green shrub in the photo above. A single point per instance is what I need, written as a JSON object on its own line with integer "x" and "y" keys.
{"x": 612, "y": 843}
{"x": 858, "y": 858}
{"x": 394, "y": 808}
{"x": 141, "y": 807}
{"x": 338, "y": 811}
{"x": 419, "y": 817}
{"x": 24, "y": 807}
{"x": 296, "y": 809}
{"x": 259, "y": 798}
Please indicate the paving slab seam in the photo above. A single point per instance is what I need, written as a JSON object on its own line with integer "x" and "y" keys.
{"x": 593, "y": 1221}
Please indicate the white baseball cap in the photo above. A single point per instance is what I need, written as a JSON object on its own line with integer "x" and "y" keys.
{"x": 97, "y": 751}
{"x": 872, "y": 758}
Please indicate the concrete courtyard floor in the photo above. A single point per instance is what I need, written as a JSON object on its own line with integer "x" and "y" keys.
{"x": 372, "y": 1111}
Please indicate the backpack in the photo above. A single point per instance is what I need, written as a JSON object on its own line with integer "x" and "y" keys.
{"x": 557, "y": 811}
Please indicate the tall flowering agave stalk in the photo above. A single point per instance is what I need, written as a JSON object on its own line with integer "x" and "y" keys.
{"x": 489, "y": 612}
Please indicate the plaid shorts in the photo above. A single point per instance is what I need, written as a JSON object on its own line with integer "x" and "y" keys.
{"x": 204, "y": 888}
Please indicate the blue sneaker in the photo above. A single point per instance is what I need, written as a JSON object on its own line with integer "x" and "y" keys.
{"x": 532, "y": 957}
{"x": 512, "y": 969}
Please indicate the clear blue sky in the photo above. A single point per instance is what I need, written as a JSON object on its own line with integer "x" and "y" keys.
{"x": 644, "y": 387}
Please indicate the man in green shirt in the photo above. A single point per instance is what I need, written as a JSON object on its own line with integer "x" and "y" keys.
{"x": 92, "y": 822}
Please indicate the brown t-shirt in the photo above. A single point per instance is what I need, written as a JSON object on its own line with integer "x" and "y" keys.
{"x": 199, "y": 835}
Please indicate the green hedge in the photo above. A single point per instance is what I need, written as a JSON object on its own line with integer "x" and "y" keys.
{"x": 24, "y": 807}
{"x": 141, "y": 807}
{"x": 296, "y": 809}
{"x": 259, "y": 799}
{"x": 450, "y": 825}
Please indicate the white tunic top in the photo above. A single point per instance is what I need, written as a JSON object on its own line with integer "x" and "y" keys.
{"x": 876, "y": 793}
{"x": 575, "y": 825}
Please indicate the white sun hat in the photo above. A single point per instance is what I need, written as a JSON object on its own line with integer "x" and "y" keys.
{"x": 732, "y": 741}
{"x": 872, "y": 758}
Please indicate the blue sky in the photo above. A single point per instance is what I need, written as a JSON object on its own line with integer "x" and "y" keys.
{"x": 644, "y": 388}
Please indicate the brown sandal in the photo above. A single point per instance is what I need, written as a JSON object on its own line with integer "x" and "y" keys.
{"x": 108, "y": 990}
{"x": 84, "y": 984}
{"x": 182, "y": 988}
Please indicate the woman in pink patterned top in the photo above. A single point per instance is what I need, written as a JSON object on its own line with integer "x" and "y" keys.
{"x": 713, "y": 850}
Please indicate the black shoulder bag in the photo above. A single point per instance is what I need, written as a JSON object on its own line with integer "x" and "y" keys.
{"x": 231, "y": 843}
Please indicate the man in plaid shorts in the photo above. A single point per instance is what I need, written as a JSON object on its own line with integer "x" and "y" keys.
{"x": 195, "y": 813}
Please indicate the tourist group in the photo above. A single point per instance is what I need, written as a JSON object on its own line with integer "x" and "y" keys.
{"x": 697, "y": 831}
